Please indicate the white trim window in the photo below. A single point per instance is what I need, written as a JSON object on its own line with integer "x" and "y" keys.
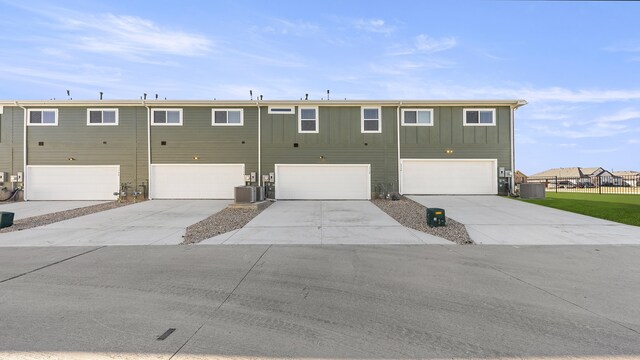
{"x": 281, "y": 110}
{"x": 166, "y": 117}
{"x": 370, "y": 122}
{"x": 227, "y": 117}
{"x": 43, "y": 117}
{"x": 96, "y": 117}
{"x": 417, "y": 117}
{"x": 479, "y": 117}
{"x": 308, "y": 120}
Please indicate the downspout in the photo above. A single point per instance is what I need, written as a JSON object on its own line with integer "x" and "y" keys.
{"x": 259, "y": 146}
{"x": 398, "y": 141}
{"x": 512, "y": 182}
{"x": 24, "y": 152}
{"x": 148, "y": 149}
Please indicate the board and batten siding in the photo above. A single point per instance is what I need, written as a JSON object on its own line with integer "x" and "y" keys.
{"x": 124, "y": 144}
{"x": 339, "y": 141}
{"x": 11, "y": 135}
{"x": 467, "y": 142}
{"x": 211, "y": 144}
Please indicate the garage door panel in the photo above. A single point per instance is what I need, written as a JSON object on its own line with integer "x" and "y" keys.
{"x": 81, "y": 182}
{"x": 464, "y": 177}
{"x": 323, "y": 182}
{"x": 190, "y": 181}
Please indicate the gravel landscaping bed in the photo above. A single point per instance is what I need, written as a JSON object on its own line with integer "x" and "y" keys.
{"x": 228, "y": 219}
{"x": 35, "y": 221}
{"x": 413, "y": 215}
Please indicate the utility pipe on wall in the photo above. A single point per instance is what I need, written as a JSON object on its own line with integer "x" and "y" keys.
{"x": 398, "y": 141}
{"x": 148, "y": 149}
{"x": 512, "y": 182}
{"x": 259, "y": 146}
{"x": 24, "y": 152}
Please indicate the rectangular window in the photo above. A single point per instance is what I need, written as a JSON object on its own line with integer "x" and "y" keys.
{"x": 227, "y": 117}
{"x": 479, "y": 117}
{"x": 170, "y": 117}
{"x": 417, "y": 117}
{"x": 43, "y": 117}
{"x": 102, "y": 116}
{"x": 281, "y": 110}
{"x": 371, "y": 120}
{"x": 308, "y": 120}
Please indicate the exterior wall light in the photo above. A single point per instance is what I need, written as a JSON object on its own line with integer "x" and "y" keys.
{"x": 71, "y": 159}
{"x": 448, "y": 151}
{"x": 321, "y": 157}
{"x": 196, "y": 157}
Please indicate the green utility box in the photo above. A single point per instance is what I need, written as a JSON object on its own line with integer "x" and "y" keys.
{"x": 435, "y": 217}
{"x": 6, "y": 219}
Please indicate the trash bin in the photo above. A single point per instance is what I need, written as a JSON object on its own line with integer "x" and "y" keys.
{"x": 435, "y": 217}
{"x": 6, "y": 219}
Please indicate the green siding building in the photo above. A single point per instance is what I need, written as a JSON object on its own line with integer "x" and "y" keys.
{"x": 333, "y": 149}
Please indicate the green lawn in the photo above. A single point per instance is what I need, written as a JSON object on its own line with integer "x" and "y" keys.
{"x": 619, "y": 208}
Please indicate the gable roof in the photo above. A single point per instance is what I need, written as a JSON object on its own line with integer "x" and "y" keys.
{"x": 573, "y": 172}
{"x": 592, "y": 171}
{"x": 626, "y": 173}
{"x": 560, "y": 172}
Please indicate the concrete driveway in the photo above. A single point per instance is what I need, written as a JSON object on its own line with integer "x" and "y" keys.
{"x": 154, "y": 222}
{"x": 324, "y": 222}
{"x": 25, "y": 209}
{"x": 498, "y": 220}
{"x": 320, "y": 302}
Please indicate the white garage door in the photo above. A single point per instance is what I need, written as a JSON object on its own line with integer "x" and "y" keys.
{"x": 72, "y": 182}
{"x": 323, "y": 182}
{"x": 460, "y": 176}
{"x": 200, "y": 181}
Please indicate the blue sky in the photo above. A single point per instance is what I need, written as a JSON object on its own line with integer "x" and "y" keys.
{"x": 577, "y": 63}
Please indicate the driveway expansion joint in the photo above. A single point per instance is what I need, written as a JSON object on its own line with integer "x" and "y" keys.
{"x": 48, "y": 265}
{"x": 222, "y": 303}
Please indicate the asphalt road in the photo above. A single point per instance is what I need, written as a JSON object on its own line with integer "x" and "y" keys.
{"x": 345, "y": 302}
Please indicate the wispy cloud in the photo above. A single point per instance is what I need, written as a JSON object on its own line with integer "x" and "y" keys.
{"x": 606, "y": 150}
{"x": 625, "y": 114}
{"x": 551, "y": 112}
{"x": 599, "y": 130}
{"x": 291, "y": 27}
{"x": 408, "y": 67}
{"x": 373, "y": 25}
{"x": 132, "y": 37}
{"x": 425, "y": 44}
{"x": 633, "y": 141}
{"x": 129, "y": 37}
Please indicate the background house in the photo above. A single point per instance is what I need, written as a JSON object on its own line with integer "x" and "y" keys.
{"x": 578, "y": 176}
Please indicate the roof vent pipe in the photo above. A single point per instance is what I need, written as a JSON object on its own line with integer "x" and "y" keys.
{"x": 306, "y": 96}
{"x": 144, "y": 96}
{"x": 327, "y": 94}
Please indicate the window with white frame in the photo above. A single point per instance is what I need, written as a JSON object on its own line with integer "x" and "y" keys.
{"x": 102, "y": 116}
{"x": 281, "y": 110}
{"x": 371, "y": 120}
{"x": 227, "y": 117}
{"x": 417, "y": 117}
{"x": 308, "y": 120}
{"x": 43, "y": 117}
{"x": 479, "y": 117}
{"x": 166, "y": 117}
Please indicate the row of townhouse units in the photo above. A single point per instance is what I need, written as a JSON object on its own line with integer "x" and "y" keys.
{"x": 332, "y": 149}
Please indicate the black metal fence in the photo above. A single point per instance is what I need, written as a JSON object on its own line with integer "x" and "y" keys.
{"x": 594, "y": 184}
